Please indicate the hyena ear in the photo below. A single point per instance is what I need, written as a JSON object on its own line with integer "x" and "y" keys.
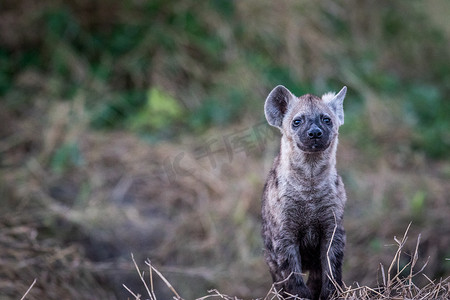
{"x": 277, "y": 104}
{"x": 337, "y": 104}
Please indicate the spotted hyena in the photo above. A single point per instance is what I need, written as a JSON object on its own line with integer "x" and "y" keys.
{"x": 304, "y": 197}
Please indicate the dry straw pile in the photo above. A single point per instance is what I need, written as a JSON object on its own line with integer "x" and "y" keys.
{"x": 394, "y": 284}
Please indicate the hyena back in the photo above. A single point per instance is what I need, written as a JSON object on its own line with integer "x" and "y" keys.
{"x": 304, "y": 197}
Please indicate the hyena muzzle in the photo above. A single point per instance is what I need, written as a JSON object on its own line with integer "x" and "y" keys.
{"x": 304, "y": 197}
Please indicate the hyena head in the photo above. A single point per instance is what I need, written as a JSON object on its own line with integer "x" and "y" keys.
{"x": 309, "y": 123}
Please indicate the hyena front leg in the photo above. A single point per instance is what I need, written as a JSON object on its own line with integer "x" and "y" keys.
{"x": 290, "y": 269}
{"x": 271, "y": 260}
{"x": 269, "y": 251}
{"x": 332, "y": 254}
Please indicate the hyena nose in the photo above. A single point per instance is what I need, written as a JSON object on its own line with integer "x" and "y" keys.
{"x": 315, "y": 132}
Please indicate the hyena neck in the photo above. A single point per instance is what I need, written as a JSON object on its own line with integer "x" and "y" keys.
{"x": 301, "y": 166}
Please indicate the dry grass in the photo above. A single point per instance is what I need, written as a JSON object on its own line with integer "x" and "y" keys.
{"x": 394, "y": 284}
{"x": 32, "y": 267}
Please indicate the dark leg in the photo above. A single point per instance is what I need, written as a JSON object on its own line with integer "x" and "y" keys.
{"x": 289, "y": 263}
{"x": 315, "y": 282}
{"x": 332, "y": 261}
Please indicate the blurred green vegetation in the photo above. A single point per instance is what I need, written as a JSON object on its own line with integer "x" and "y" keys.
{"x": 218, "y": 59}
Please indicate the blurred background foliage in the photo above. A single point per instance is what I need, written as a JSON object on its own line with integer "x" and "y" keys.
{"x": 217, "y": 59}
{"x": 169, "y": 71}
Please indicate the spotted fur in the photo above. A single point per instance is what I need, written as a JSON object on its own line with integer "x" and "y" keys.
{"x": 304, "y": 197}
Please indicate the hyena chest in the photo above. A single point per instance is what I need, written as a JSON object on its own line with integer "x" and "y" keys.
{"x": 305, "y": 217}
{"x": 308, "y": 233}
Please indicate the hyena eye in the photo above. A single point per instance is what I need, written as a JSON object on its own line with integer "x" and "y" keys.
{"x": 326, "y": 120}
{"x": 296, "y": 122}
